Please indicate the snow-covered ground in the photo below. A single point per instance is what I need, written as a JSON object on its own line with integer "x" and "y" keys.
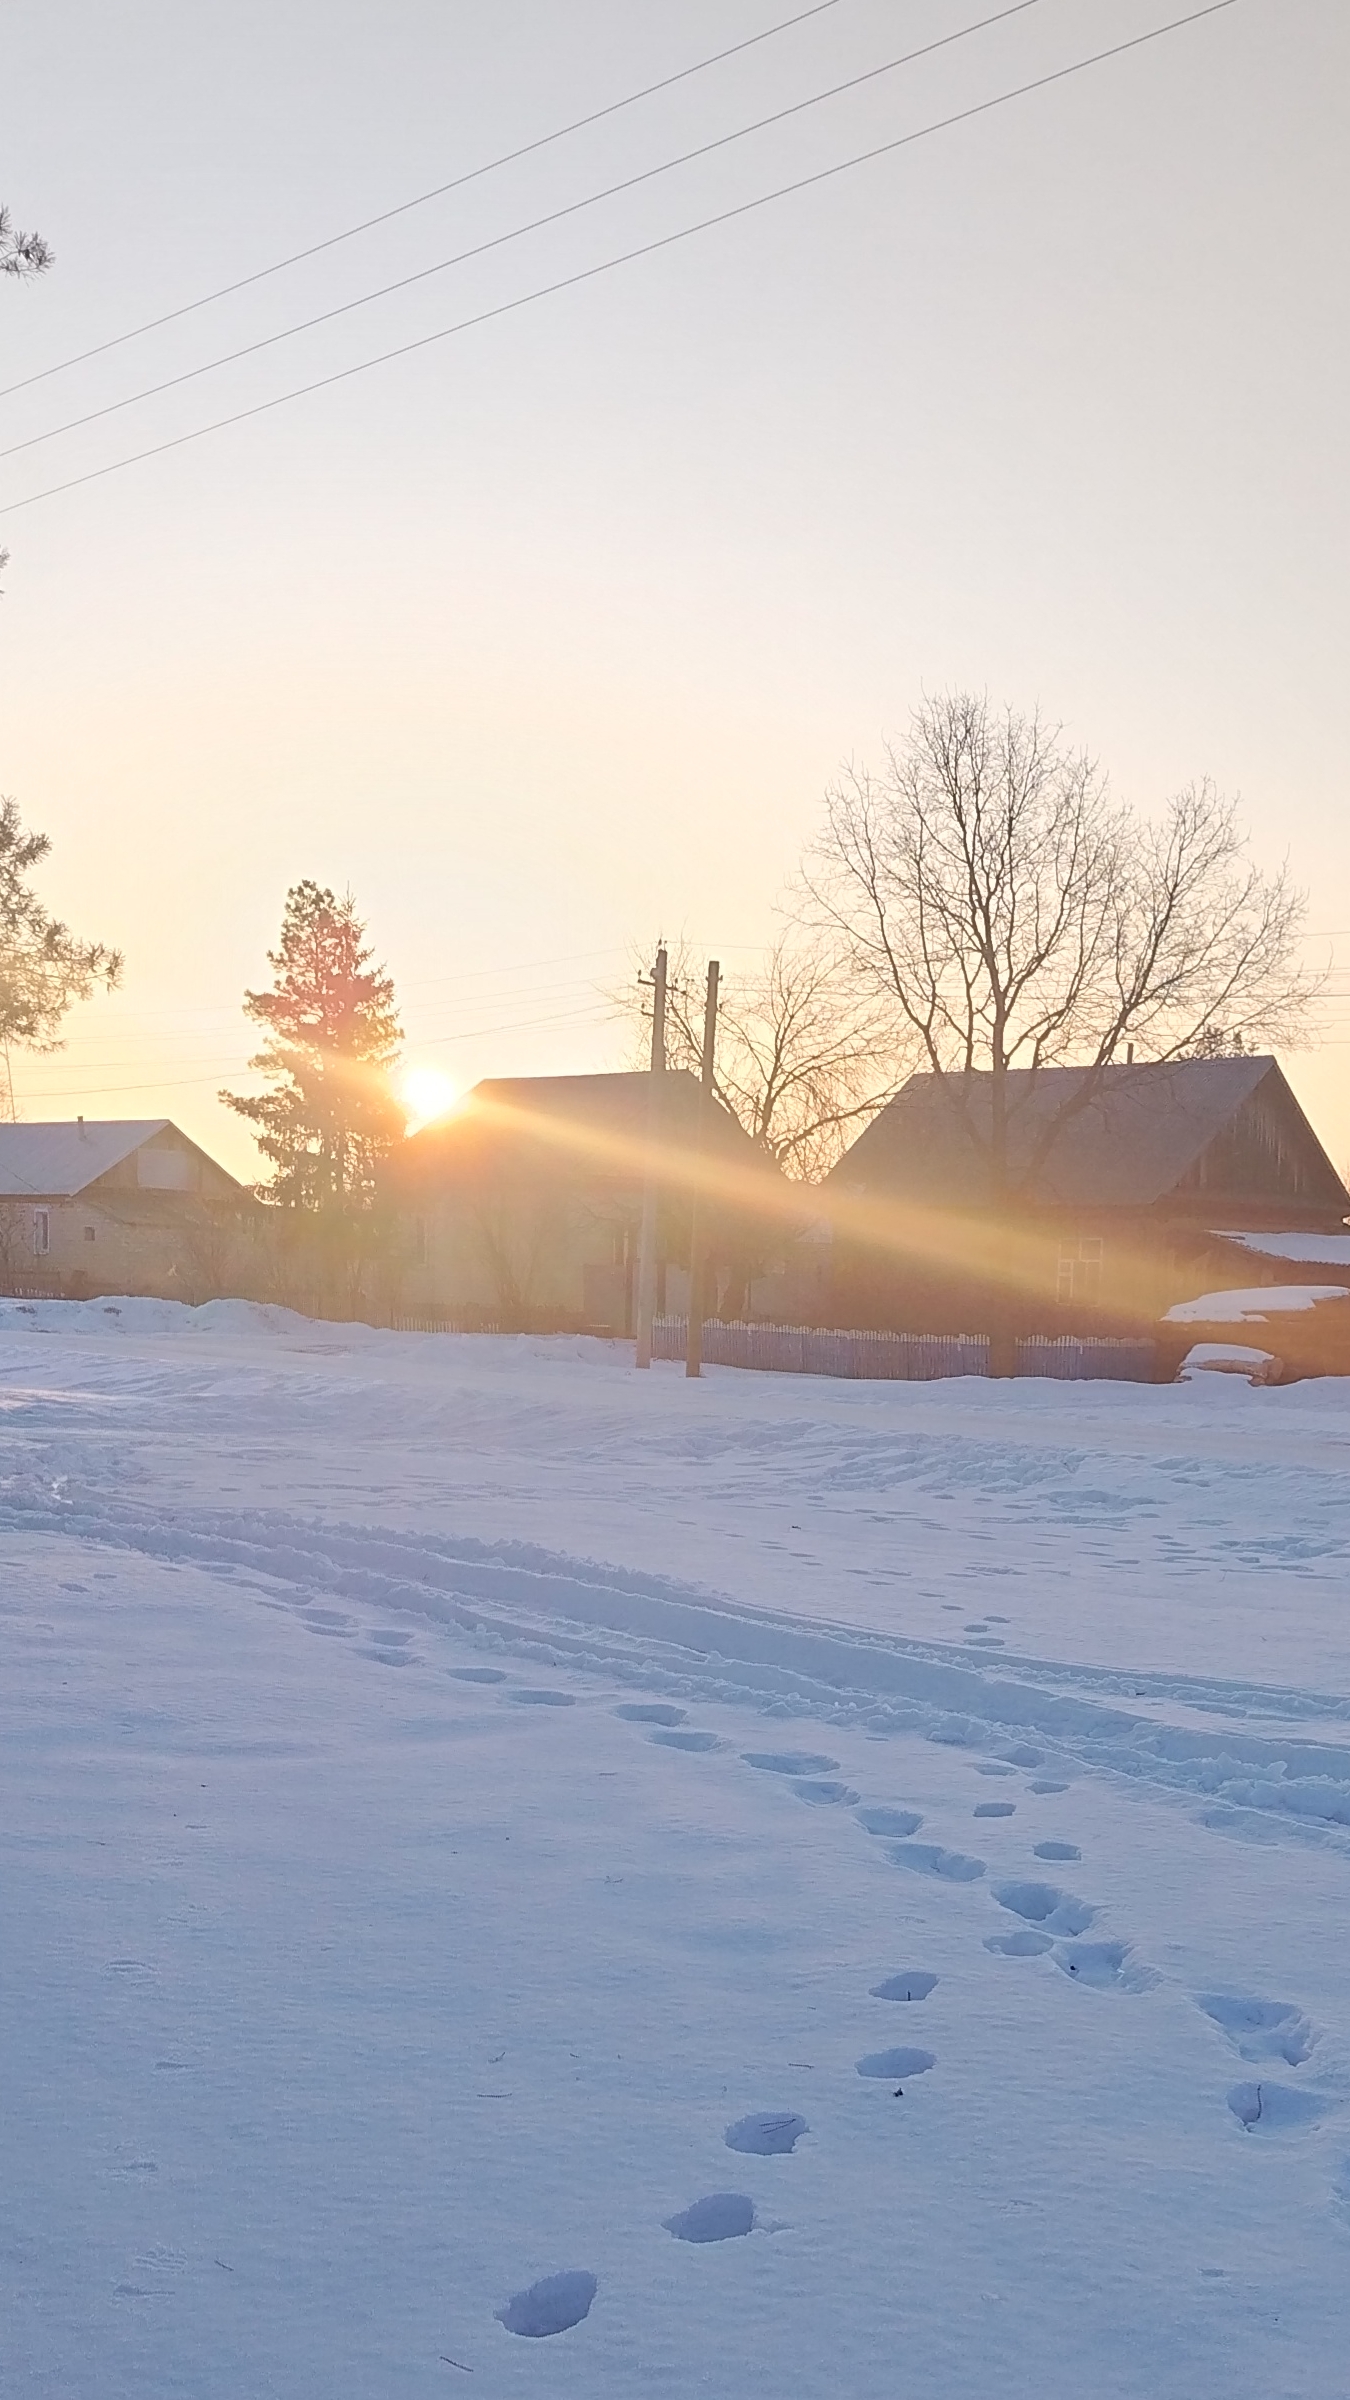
{"x": 450, "y": 1787}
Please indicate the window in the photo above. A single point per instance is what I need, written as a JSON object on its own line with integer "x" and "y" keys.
{"x": 1079, "y": 1275}
{"x": 42, "y": 1231}
{"x": 89, "y": 1233}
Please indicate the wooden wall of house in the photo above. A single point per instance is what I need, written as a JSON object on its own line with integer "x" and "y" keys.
{"x": 1266, "y": 1154}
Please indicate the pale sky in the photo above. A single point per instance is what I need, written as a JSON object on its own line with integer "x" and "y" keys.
{"x": 552, "y": 634}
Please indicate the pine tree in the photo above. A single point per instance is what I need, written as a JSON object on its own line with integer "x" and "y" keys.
{"x": 332, "y": 1038}
{"x": 44, "y": 967}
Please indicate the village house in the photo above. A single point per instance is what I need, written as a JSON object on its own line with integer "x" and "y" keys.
{"x": 1130, "y": 1189}
{"x": 524, "y": 1205}
{"x": 132, "y": 1207}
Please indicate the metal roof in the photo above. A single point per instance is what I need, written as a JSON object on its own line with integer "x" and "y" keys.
{"x": 53, "y": 1162}
{"x": 1131, "y": 1142}
{"x": 506, "y": 1110}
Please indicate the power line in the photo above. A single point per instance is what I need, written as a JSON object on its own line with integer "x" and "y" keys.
{"x": 555, "y": 996}
{"x": 499, "y": 241}
{"x": 457, "y": 183}
{"x": 624, "y": 258}
{"x": 177, "y": 1083}
{"x": 421, "y": 983}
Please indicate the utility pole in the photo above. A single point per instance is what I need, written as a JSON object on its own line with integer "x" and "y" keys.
{"x": 646, "y": 1307}
{"x": 693, "y": 1352}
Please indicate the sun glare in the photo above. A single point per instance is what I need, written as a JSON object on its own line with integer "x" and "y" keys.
{"x": 426, "y": 1093}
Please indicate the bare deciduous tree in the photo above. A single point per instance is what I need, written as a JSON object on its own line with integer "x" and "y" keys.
{"x": 805, "y": 1054}
{"x": 1010, "y": 914}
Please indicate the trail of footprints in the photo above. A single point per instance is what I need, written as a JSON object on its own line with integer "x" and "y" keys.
{"x": 1050, "y": 1922}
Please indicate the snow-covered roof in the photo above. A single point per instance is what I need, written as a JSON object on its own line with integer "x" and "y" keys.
{"x": 1250, "y": 1307}
{"x": 1225, "y": 1354}
{"x": 1226, "y": 1358}
{"x": 56, "y": 1161}
{"x": 1301, "y": 1249}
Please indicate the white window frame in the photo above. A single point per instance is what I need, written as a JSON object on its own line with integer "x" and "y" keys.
{"x": 42, "y": 1232}
{"x": 1078, "y": 1273}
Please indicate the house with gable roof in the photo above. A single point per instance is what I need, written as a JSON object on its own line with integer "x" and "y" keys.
{"x": 523, "y": 1206}
{"x": 1129, "y": 1188}
{"x": 129, "y": 1206}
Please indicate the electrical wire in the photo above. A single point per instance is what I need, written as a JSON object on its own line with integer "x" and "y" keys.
{"x": 419, "y": 983}
{"x": 500, "y": 241}
{"x": 563, "y": 1004}
{"x": 473, "y": 175}
{"x": 598, "y": 1015}
{"x": 623, "y": 258}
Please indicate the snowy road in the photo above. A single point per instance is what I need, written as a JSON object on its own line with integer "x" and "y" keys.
{"x": 447, "y": 1785}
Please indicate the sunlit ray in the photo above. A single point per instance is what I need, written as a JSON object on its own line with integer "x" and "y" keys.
{"x": 427, "y": 1093}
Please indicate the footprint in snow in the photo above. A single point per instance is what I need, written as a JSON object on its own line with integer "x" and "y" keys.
{"x": 790, "y": 1762}
{"x": 1058, "y": 1850}
{"x": 685, "y": 1741}
{"x": 1105, "y": 1966}
{"x": 327, "y": 1621}
{"x": 721, "y": 2217}
{"x": 532, "y": 1699}
{"x": 554, "y": 2305}
{"x": 928, "y": 1858}
{"x": 1043, "y": 1785}
{"x": 990, "y": 1768}
{"x": 914, "y": 1984}
{"x": 1261, "y": 2029}
{"x": 1045, "y": 1904}
{"x": 1022, "y": 1755}
{"x": 1277, "y": 2107}
{"x": 478, "y": 1674}
{"x": 1022, "y": 1944}
{"x": 899, "y": 1823}
{"x": 823, "y": 1791}
{"x": 895, "y": 2066}
{"x": 996, "y": 1808}
{"x": 651, "y": 1712}
{"x": 772, "y": 2133}
{"x": 390, "y": 1649}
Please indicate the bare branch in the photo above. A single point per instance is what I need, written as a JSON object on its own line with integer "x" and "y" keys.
{"x": 804, "y": 1054}
{"x": 1003, "y": 911}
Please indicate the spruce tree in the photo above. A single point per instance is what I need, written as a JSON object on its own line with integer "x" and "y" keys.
{"x": 330, "y": 1116}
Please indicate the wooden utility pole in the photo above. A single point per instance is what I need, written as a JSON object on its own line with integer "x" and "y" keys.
{"x": 646, "y": 1307}
{"x": 693, "y": 1351}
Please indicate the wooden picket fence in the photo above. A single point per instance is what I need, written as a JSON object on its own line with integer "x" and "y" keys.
{"x": 902, "y": 1357}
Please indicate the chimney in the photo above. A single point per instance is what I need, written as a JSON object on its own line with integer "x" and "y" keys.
{"x": 1129, "y": 1060}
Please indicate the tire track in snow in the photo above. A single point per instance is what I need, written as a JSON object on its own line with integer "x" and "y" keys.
{"x": 660, "y": 1633}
